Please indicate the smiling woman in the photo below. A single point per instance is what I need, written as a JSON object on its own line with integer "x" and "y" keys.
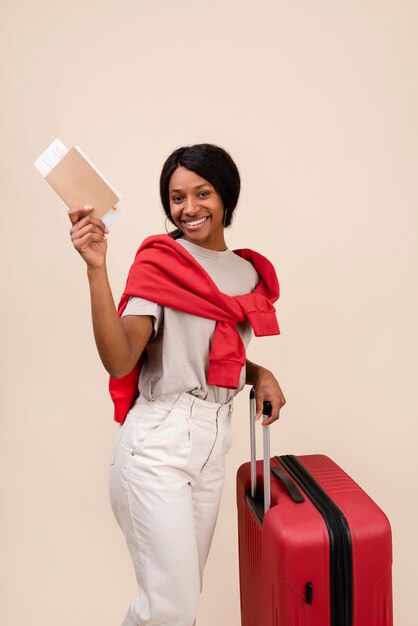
{"x": 186, "y": 315}
{"x": 197, "y": 209}
{"x": 201, "y": 178}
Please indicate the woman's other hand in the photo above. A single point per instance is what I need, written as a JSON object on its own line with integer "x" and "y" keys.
{"x": 266, "y": 387}
{"x": 88, "y": 235}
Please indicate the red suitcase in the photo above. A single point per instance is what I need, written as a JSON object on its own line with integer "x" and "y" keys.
{"x": 318, "y": 554}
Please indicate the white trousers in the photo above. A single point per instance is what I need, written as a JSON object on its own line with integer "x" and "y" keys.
{"x": 165, "y": 483}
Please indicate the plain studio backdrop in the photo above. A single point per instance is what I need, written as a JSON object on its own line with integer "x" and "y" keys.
{"x": 317, "y": 103}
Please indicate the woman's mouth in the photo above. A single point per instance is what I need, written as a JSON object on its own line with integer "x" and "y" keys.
{"x": 197, "y": 222}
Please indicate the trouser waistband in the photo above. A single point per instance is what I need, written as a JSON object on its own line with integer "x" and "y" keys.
{"x": 190, "y": 404}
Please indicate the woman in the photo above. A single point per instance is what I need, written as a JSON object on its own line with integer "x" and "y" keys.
{"x": 179, "y": 336}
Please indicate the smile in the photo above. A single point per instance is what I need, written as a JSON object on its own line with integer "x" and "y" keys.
{"x": 196, "y": 222}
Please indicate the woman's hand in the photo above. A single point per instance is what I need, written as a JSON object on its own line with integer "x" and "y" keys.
{"x": 88, "y": 235}
{"x": 266, "y": 387}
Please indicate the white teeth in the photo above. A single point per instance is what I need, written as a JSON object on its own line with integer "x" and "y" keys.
{"x": 196, "y": 222}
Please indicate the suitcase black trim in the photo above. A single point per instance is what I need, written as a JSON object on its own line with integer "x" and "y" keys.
{"x": 341, "y": 564}
{"x": 256, "y": 504}
{"x": 292, "y": 490}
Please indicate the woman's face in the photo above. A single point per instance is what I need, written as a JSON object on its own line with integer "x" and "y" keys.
{"x": 196, "y": 209}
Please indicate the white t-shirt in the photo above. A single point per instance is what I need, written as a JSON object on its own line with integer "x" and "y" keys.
{"x": 176, "y": 358}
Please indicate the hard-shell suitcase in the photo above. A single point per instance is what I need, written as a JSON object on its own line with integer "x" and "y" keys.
{"x": 314, "y": 549}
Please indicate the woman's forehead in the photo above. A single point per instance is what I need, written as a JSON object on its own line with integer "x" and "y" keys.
{"x": 182, "y": 177}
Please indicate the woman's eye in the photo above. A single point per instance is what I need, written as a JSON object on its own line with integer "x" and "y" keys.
{"x": 203, "y": 194}
{"x": 177, "y": 199}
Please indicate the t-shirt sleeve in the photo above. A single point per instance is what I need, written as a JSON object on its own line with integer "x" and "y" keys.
{"x": 140, "y": 306}
{"x": 256, "y": 279}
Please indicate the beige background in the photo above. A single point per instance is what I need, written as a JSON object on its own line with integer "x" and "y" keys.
{"x": 317, "y": 102}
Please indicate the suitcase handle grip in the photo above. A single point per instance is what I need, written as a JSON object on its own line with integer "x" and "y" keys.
{"x": 267, "y": 408}
{"x": 293, "y": 491}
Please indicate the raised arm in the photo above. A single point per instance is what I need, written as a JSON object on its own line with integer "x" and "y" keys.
{"x": 120, "y": 341}
{"x": 266, "y": 388}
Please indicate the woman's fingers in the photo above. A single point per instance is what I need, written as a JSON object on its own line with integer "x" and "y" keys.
{"x": 277, "y": 404}
{"x": 79, "y": 212}
{"x": 88, "y": 219}
{"x": 81, "y": 244}
{"x": 83, "y": 228}
{"x": 86, "y": 229}
{"x": 82, "y": 213}
{"x": 275, "y": 410}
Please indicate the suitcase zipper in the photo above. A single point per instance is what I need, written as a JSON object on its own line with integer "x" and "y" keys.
{"x": 341, "y": 591}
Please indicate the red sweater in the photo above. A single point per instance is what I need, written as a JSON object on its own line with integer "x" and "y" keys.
{"x": 165, "y": 272}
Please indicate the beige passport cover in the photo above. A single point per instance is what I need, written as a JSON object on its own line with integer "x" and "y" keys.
{"x": 78, "y": 184}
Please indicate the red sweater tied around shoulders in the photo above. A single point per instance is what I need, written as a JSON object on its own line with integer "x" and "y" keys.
{"x": 165, "y": 272}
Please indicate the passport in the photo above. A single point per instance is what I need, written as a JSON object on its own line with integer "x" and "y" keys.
{"x": 78, "y": 182}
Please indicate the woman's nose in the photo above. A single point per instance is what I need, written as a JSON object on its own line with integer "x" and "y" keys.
{"x": 190, "y": 205}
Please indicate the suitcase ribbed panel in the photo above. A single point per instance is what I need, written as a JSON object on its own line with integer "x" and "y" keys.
{"x": 251, "y": 538}
{"x": 334, "y": 481}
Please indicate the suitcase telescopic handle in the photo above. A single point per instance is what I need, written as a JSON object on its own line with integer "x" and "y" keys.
{"x": 267, "y": 408}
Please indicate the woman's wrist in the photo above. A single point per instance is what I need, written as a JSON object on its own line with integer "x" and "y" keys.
{"x": 254, "y": 372}
{"x": 96, "y": 270}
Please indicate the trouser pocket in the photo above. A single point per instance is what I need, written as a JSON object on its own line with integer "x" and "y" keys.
{"x": 145, "y": 427}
